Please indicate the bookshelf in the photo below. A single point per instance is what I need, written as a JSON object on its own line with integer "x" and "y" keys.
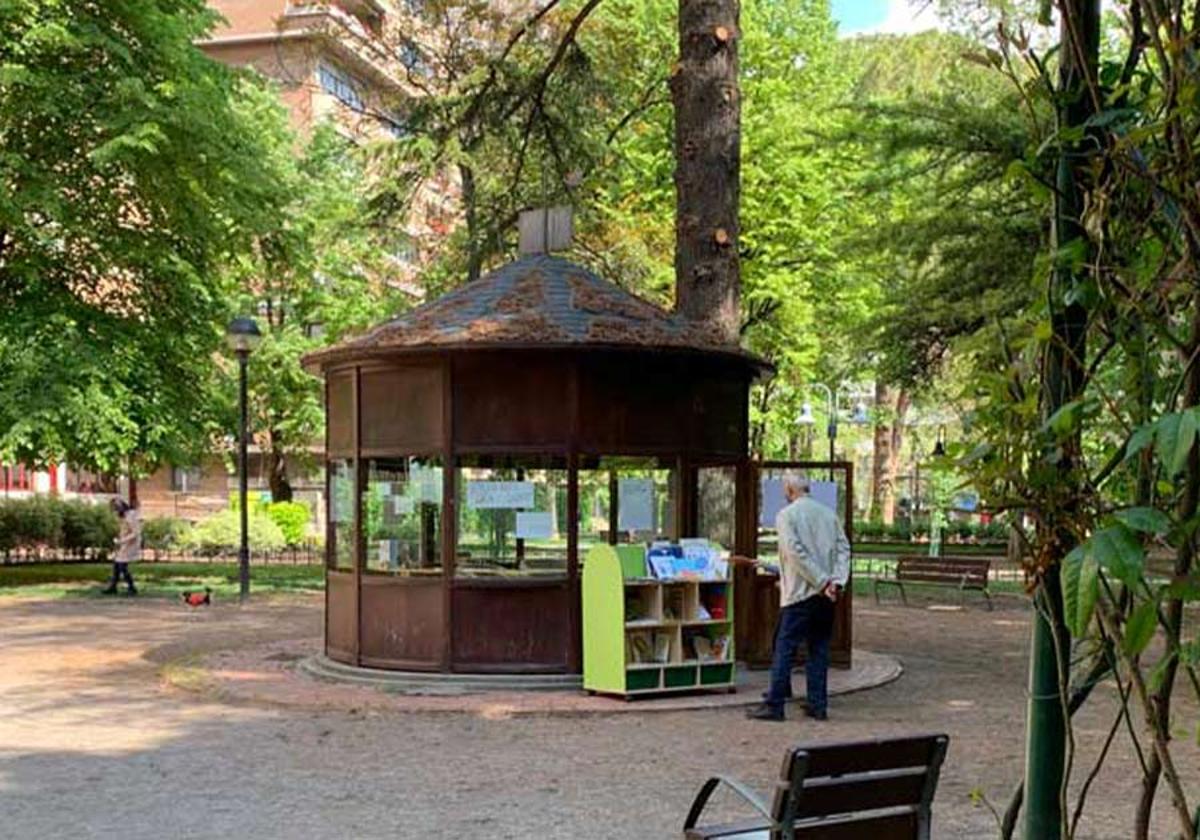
{"x": 646, "y": 636}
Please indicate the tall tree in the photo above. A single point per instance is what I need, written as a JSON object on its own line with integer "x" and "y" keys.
{"x": 707, "y": 100}
{"x": 323, "y": 269}
{"x": 131, "y": 171}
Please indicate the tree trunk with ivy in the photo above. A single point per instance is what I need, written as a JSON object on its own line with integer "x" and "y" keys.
{"x": 707, "y": 101}
{"x": 1064, "y": 377}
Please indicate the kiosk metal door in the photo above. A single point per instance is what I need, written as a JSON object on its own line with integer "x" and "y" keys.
{"x": 756, "y": 597}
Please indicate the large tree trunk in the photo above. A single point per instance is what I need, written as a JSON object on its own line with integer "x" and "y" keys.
{"x": 704, "y": 87}
{"x": 889, "y": 438}
{"x": 471, "y": 216}
{"x": 277, "y": 472}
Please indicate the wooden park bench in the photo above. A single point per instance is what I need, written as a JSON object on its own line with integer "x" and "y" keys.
{"x": 880, "y": 789}
{"x": 961, "y": 573}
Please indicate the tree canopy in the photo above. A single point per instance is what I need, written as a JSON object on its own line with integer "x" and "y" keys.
{"x": 132, "y": 168}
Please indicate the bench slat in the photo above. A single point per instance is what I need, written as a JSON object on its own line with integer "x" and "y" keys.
{"x": 866, "y": 756}
{"x": 861, "y": 792}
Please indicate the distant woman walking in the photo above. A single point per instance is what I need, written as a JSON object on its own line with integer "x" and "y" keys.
{"x": 129, "y": 546}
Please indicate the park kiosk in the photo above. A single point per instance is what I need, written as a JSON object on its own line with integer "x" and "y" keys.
{"x": 480, "y": 444}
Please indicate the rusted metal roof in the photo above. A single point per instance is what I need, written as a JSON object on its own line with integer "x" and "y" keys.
{"x": 539, "y": 300}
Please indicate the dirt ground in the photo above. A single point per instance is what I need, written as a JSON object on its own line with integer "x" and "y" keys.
{"x": 94, "y": 744}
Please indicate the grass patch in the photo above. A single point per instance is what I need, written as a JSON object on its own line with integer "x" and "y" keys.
{"x": 168, "y": 580}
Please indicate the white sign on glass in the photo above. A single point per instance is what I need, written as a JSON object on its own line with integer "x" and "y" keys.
{"x": 428, "y": 483}
{"x": 534, "y": 525}
{"x": 773, "y": 501}
{"x": 826, "y": 493}
{"x": 635, "y": 504}
{"x": 485, "y": 495}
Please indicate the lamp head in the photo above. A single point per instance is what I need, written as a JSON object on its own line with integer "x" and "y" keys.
{"x": 806, "y": 415}
{"x": 860, "y": 417}
{"x": 243, "y": 335}
{"x": 939, "y": 448}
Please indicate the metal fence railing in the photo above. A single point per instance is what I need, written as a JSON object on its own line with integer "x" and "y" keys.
{"x": 310, "y": 554}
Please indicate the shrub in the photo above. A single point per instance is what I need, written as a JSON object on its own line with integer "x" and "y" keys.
{"x": 37, "y": 521}
{"x": 54, "y": 523}
{"x": 292, "y": 519}
{"x": 994, "y": 532}
{"x": 88, "y": 526}
{"x": 165, "y": 532}
{"x": 222, "y": 532}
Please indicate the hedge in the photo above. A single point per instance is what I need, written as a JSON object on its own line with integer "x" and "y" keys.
{"x": 955, "y": 531}
{"x": 46, "y": 522}
{"x": 221, "y": 533}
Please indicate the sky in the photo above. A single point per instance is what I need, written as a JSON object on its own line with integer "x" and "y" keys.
{"x": 859, "y": 17}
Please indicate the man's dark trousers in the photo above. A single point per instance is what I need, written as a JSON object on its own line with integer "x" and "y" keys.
{"x": 810, "y": 620}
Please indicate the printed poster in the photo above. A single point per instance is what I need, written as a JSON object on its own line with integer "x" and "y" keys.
{"x": 534, "y": 525}
{"x": 635, "y": 504}
{"x": 499, "y": 495}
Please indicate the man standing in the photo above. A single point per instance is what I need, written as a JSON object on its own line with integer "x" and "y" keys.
{"x": 814, "y": 564}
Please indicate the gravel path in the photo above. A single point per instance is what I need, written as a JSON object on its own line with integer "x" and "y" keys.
{"x": 92, "y": 744}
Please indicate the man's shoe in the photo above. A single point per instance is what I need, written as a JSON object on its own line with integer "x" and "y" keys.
{"x": 764, "y": 712}
{"x": 816, "y": 714}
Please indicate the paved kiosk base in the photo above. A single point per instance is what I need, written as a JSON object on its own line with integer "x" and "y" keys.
{"x": 555, "y": 694}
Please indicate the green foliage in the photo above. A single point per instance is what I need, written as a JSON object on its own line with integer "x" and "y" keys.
{"x": 132, "y": 170}
{"x": 1140, "y": 628}
{"x": 320, "y": 270}
{"x": 1081, "y": 588}
{"x": 292, "y": 519}
{"x": 221, "y": 533}
{"x": 87, "y": 525}
{"x": 55, "y": 523}
{"x": 165, "y": 533}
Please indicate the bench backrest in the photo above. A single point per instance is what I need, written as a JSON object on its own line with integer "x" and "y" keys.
{"x": 882, "y": 789}
{"x": 955, "y": 570}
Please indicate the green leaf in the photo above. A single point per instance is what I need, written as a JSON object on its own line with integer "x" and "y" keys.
{"x": 1176, "y": 434}
{"x": 1142, "y": 437}
{"x": 1139, "y": 629}
{"x": 1066, "y": 420}
{"x": 1081, "y": 586}
{"x": 1118, "y": 550}
{"x": 1145, "y": 519}
{"x": 1185, "y": 589}
{"x": 1155, "y": 681}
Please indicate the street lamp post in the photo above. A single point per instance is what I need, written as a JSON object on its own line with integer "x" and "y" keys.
{"x": 860, "y": 417}
{"x": 243, "y": 336}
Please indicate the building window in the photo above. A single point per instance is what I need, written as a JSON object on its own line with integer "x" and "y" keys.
{"x": 340, "y": 85}
{"x": 185, "y": 479}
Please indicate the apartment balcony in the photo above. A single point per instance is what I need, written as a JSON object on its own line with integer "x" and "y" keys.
{"x": 353, "y": 29}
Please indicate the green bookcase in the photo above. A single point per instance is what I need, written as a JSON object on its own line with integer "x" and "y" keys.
{"x": 643, "y": 636}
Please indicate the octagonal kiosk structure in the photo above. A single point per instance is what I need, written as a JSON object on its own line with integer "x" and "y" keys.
{"x": 478, "y": 445}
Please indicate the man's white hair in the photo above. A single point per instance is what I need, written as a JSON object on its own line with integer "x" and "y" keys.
{"x": 797, "y": 481}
